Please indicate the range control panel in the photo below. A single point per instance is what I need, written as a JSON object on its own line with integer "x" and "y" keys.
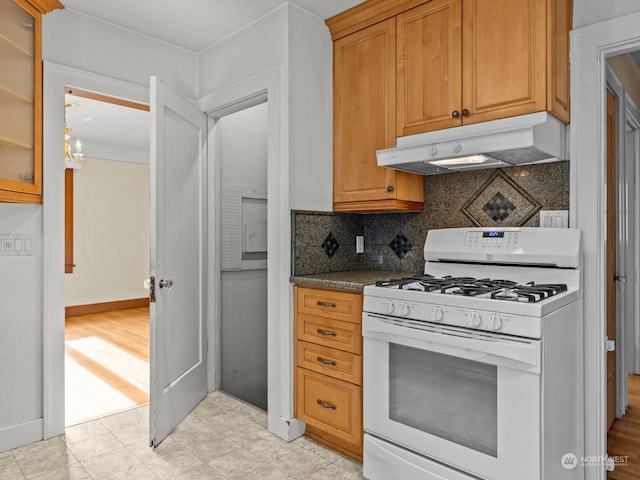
{"x": 501, "y": 239}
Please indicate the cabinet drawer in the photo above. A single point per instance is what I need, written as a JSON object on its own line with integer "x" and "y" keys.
{"x": 331, "y": 405}
{"x": 330, "y": 333}
{"x": 338, "y": 364}
{"x": 330, "y": 304}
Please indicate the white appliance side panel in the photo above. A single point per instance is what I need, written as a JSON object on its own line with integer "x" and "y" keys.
{"x": 385, "y": 461}
{"x": 562, "y": 387}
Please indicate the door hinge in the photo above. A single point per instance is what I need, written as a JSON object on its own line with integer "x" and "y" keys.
{"x": 610, "y": 345}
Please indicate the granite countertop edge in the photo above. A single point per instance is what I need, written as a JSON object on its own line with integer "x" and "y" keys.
{"x": 346, "y": 280}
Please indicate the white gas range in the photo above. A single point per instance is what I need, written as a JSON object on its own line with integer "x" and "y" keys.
{"x": 474, "y": 370}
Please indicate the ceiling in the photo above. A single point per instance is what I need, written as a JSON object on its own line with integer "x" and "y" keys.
{"x": 194, "y": 24}
{"x": 115, "y": 132}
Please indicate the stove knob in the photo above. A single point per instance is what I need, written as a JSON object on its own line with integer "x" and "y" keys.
{"x": 437, "y": 314}
{"x": 474, "y": 319}
{"x": 388, "y": 306}
{"x": 495, "y": 322}
{"x": 405, "y": 309}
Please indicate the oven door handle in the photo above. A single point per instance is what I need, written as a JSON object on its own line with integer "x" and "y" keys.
{"x": 454, "y": 342}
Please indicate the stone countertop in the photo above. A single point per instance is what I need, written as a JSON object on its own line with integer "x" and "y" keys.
{"x": 348, "y": 280}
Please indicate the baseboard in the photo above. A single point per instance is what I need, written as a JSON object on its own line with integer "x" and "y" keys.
{"x": 19, "y": 435}
{"x": 105, "y": 307}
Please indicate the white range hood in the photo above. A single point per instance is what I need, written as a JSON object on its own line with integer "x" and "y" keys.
{"x": 533, "y": 138}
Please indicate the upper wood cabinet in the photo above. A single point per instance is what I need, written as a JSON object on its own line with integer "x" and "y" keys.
{"x": 21, "y": 99}
{"x": 403, "y": 67}
{"x": 364, "y": 113}
{"x": 470, "y": 61}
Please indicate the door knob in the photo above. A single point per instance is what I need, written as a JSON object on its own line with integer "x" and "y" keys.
{"x": 165, "y": 284}
{"x": 620, "y": 278}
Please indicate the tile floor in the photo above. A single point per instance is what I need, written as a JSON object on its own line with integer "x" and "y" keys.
{"x": 221, "y": 439}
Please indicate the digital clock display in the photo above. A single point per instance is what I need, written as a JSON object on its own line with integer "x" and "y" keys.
{"x": 493, "y": 234}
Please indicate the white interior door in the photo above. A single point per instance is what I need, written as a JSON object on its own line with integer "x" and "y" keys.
{"x": 178, "y": 237}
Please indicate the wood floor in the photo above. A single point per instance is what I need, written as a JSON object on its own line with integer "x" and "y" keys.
{"x": 624, "y": 436}
{"x": 105, "y": 346}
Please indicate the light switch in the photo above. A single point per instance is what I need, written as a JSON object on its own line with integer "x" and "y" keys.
{"x": 17, "y": 244}
{"x": 359, "y": 243}
{"x": 554, "y": 218}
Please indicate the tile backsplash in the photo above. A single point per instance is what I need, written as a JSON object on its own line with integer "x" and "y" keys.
{"x": 325, "y": 242}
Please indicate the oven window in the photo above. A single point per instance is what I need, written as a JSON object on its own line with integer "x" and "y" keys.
{"x": 452, "y": 398}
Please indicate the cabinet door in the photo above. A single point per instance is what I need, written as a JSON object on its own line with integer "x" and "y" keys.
{"x": 430, "y": 67}
{"x": 364, "y": 113}
{"x": 20, "y": 102}
{"x": 504, "y": 58}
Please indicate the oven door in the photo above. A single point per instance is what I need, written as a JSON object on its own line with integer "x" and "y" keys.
{"x": 467, "y": 399}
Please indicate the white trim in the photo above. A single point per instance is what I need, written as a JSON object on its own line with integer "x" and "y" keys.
{"x": 56, "y": 78}
{"x": 271, "y": 84}
{"x": 22, "y": 434}
{"x": 590, "y": 46}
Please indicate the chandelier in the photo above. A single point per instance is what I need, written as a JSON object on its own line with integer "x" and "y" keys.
{"x": 76, "y": 159}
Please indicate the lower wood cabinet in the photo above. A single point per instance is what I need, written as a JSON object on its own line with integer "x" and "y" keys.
{"x": 328, "y": 380}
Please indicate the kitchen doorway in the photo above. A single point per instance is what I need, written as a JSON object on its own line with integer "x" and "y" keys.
{"x": 241, "y": 167}
{"x": 107, "y": 225}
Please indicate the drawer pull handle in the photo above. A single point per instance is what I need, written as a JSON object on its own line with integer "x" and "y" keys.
{"x": 326, "y": 304}
{"x": 324, "y": 361}
{"x": 326, "y": 333}
{"x": 326, "y": 405}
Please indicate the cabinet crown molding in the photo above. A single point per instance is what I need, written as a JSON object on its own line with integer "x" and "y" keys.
{"x": 366, "y": 14}
{"x": 45, "y": 6}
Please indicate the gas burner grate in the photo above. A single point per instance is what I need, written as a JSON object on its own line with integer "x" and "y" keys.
{"x": 530, "y": 293}
{"x": 497, "y": 289}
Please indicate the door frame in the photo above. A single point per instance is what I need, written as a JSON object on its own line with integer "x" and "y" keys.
{"x": 590, "y": 47}
{"x": 627, "y": 345}
{"x": 57, "y": 77}
{"x": 269, "y": 85}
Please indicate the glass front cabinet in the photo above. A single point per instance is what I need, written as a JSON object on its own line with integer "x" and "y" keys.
{"x": 21, "y": 99}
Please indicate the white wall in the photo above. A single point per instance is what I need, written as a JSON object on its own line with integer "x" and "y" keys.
{"x": 310, "y": 111}
{"x": 20, "y": 329}
{"x": 588, "y": 12}
{"x": 80, "y": 41}
{"x": 243, "y": 147}
{"x": 298, "y": 43}
{"x": 111, "y": 233}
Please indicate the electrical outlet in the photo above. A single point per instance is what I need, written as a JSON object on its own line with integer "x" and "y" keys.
{"x": 359, "y": 243}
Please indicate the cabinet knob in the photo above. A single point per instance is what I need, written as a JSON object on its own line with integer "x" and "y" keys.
{"x": 465, "y": 112}
{"x": 455, "y": 114}
{"x": 390, "y": 188}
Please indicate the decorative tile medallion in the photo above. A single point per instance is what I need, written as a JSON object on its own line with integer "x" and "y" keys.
{"x": 330, "y": 245}
{"x": 401, "y": 245}
{"x": 500, "y": 202}
{"x": 499, "y": 208}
